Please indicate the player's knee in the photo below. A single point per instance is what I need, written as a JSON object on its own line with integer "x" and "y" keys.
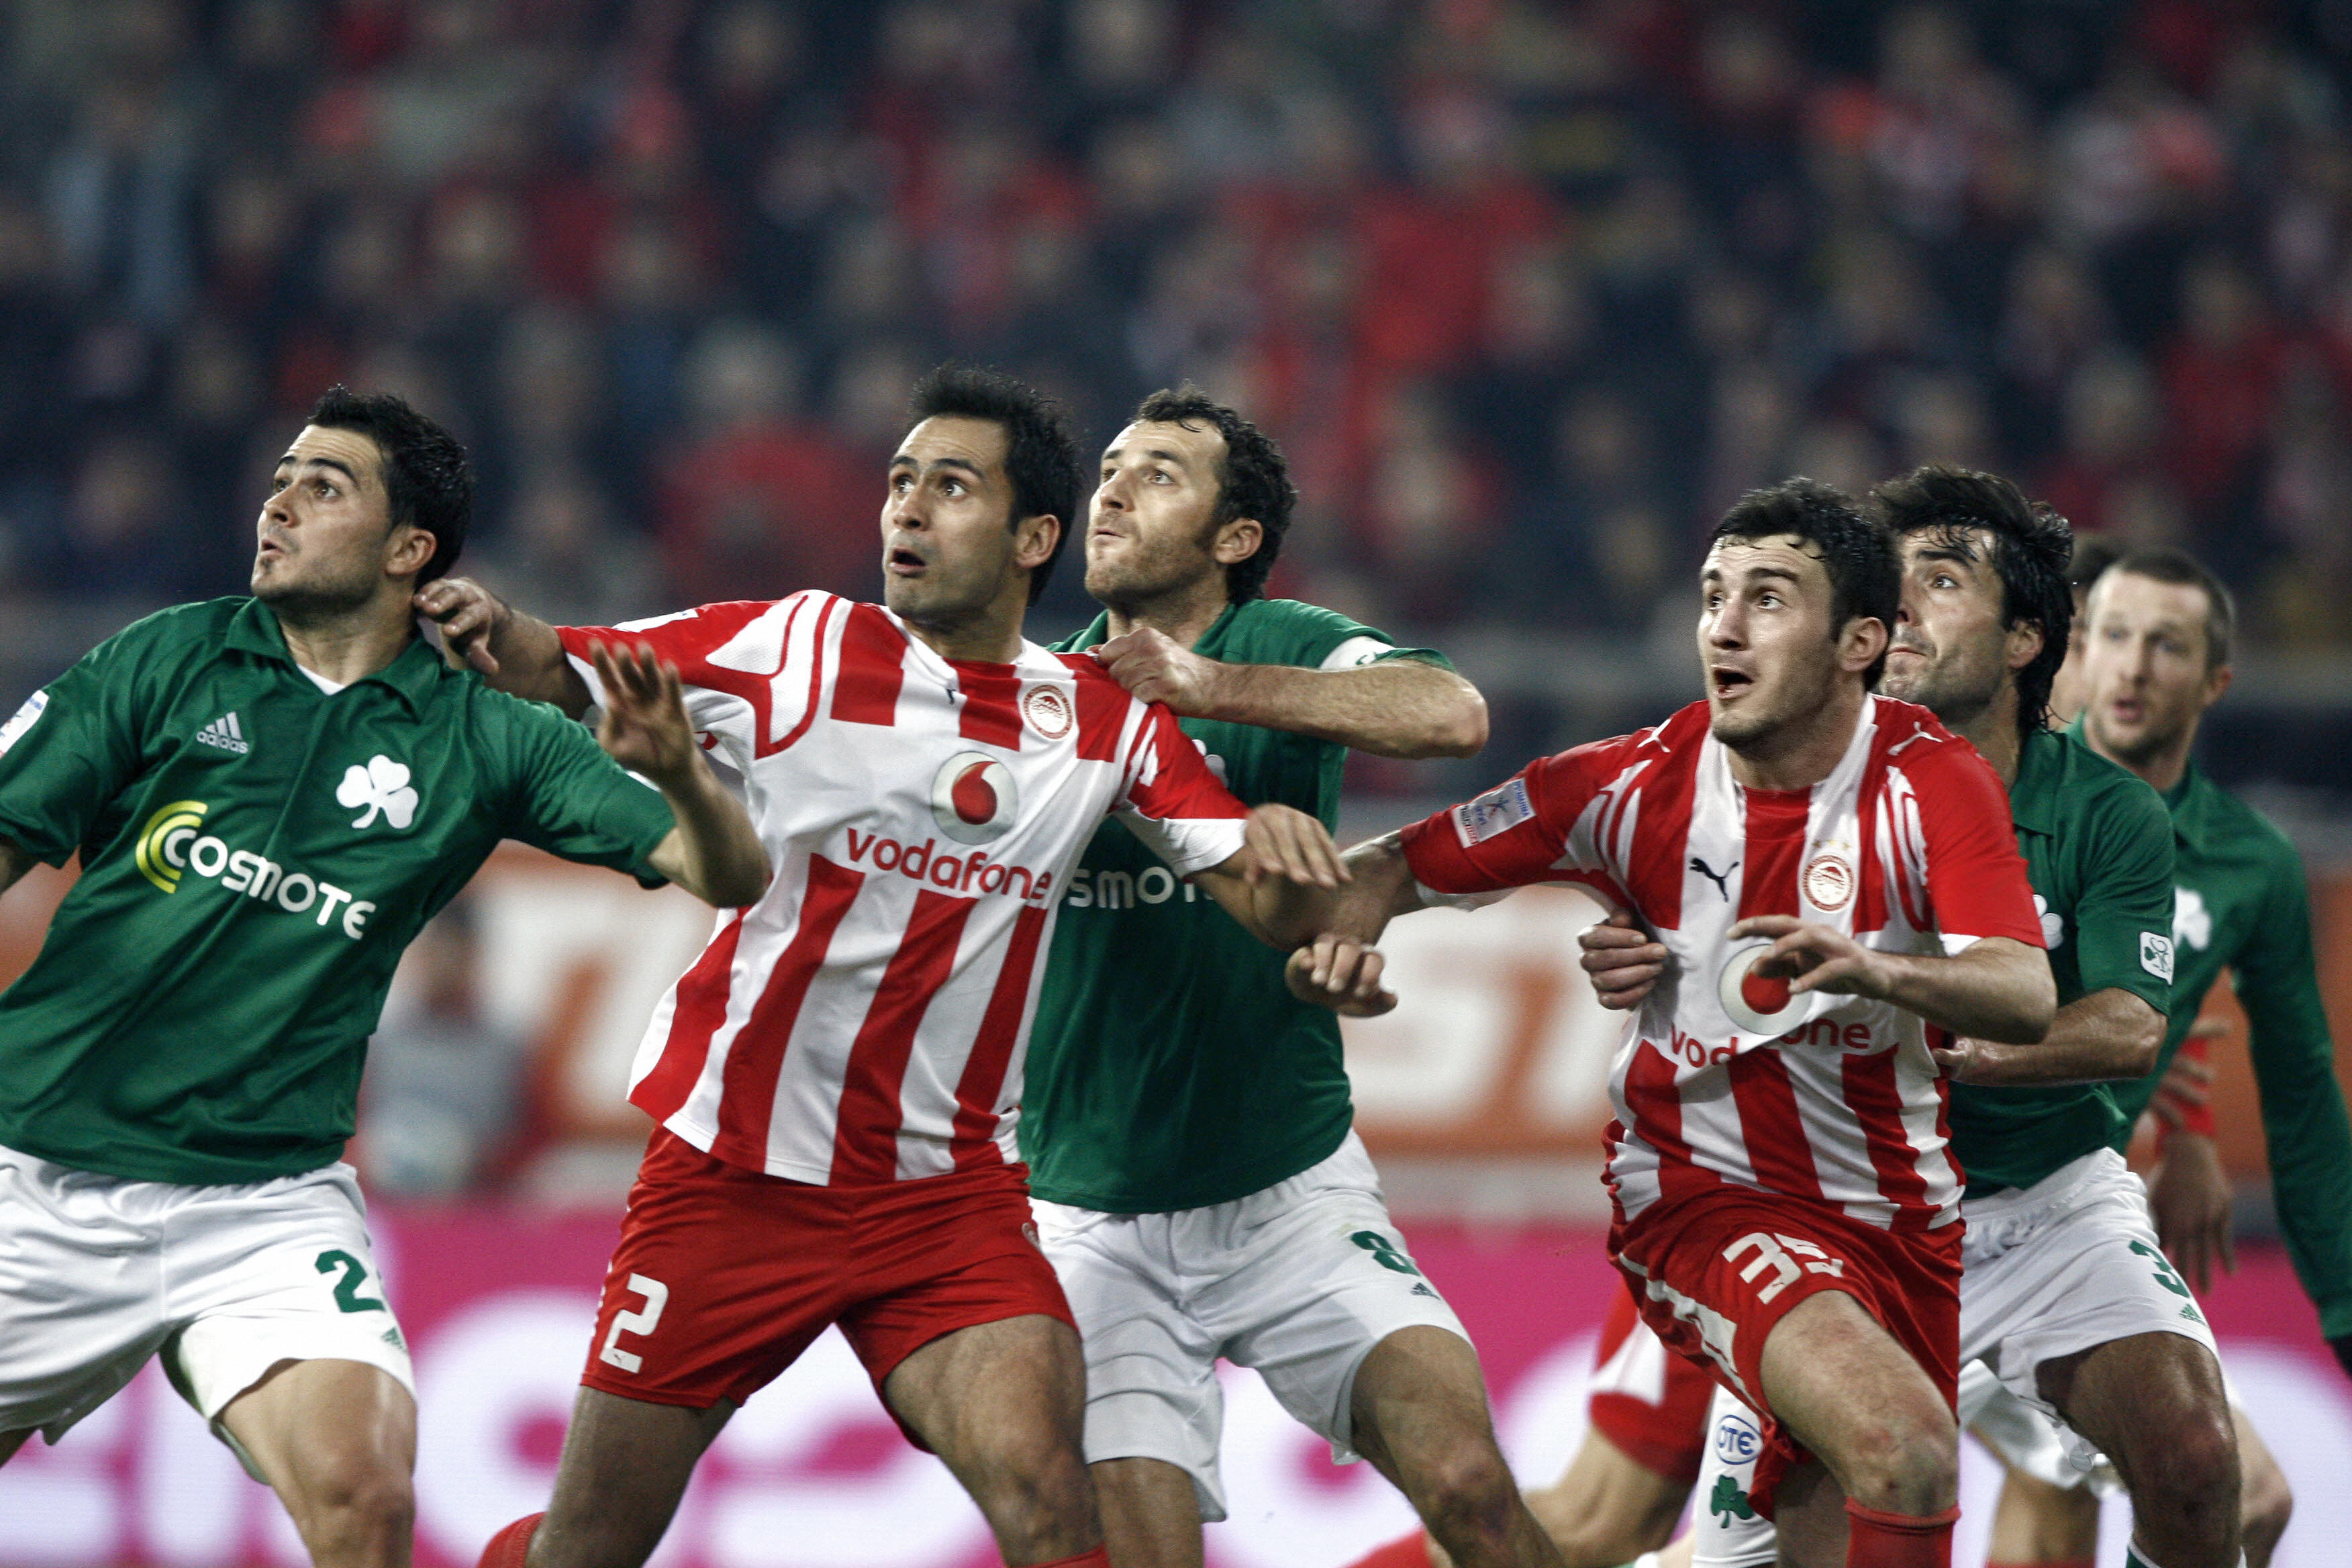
{"x": 2189, "y": 1472}
{"x": 1903, "y": 1462}
{"x": 1034, "y": 1486}
{"x": 353, "y": 1503}
{"x": 1467, "y": 1493}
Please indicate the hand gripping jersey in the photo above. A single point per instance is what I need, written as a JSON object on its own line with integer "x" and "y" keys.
{"x": 1724, "y": 1076}
{"x": 864, "y": 1021}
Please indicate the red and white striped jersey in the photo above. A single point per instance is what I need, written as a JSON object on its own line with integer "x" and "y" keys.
{"x": 864, "y": 1021}
{"x": 1723, "y": 1076}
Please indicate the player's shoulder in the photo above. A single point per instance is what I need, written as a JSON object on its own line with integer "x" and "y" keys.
{"x": 1597, "y": 763}
{"x": 1910, "y": 739}
{"x": 200, "y": 625}
{"x": 2087, "y": 783}
{"x": 2229, "y": 821}
{"x": 720, "y": 620}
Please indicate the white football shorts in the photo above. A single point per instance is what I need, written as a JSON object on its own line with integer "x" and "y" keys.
{"x": 1299, "y": 1282}
{"x": 97, "y": 1273}
{"x": 2062, "y": 1266}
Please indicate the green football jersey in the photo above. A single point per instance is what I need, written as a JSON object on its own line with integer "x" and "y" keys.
{"x": 2240, "y": 904}
{"x": 1170, "y": 1067}
{"x": 256, "y": 853}
{"x": 2098, "y": 852}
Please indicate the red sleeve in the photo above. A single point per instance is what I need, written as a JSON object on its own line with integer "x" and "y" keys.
{"x": 2196, "y": 1119}
{"x": 1515, "y": 835}
{"x": 686, "y": 639}
{"x": 1174, "y": 803}
{"x": 1976, "y": 878}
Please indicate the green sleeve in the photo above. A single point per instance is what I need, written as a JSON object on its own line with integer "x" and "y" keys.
{"x": 2123, "y": 919}
{"x": 2303, "y": 1124}
{"x": 567, "y": 797}
{"x": 1315, "y": 634}
{"x": 73, "y": 748}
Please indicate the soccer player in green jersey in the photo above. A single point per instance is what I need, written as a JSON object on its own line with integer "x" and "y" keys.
{"x": 1186, "y": 1120}
{"x": 269, "y": 796}
{"x": 2156, "y": 658}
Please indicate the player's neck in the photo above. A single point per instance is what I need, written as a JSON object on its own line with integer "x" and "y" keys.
{"x": 1994, "y": 733}
{"x": 988, "y": 635}
{"x": 2163, "y": 768}
{"x": 1803, "y": 752}
{"x": 1182, "y": 614}
{"x": 347, "y": 645}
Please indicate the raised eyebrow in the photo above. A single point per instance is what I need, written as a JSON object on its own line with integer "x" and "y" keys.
{"x": 342, "y": 468}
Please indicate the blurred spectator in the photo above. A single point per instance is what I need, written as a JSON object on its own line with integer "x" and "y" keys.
{"x": 130, "y": 530}
{"x": 760, "y": 501}
{"x": 442, "y": 1081}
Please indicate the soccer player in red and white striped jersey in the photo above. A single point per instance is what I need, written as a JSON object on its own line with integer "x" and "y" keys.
{"x": 837, "y": 1077}
{"x": 1834, "y": 877}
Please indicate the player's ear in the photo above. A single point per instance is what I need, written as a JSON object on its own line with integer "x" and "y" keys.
{"x": 1237, "y": 541}
{"x": 409, "y": 550}
{"x": 2025, "y": 644}
{"x": 1860, "y": 643}
{"x": 1034, "y": 539}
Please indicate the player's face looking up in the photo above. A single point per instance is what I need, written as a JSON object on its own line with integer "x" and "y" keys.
{"x": 1151, "y": 530}
{"x": 2146, "y": 665}
{"x": 951, "y": 550}
{"x": 1771, "y": 653}
{"x": 1951, "y": 653}
{"x": 326, "y": 543}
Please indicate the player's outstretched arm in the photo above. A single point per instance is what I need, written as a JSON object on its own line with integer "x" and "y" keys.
{"x": 1995, "y": 989}
{"x": 714, "y": 852}
{"x": 1281, "y": 880}
{"x": 513, "y": 651}
{"x": 1341, "y": 969}
{"x": 2110, "y": 1034}
{"x": 1400, "y": 708}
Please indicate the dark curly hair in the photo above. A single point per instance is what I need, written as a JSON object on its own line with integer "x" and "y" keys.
{"x": 2031, "y": 546}
{"x": 1865, "y": 575}
{"x": 426, "y": 476}
{"x": 1253, "y": 479}
{"x": 1041, "y": 456}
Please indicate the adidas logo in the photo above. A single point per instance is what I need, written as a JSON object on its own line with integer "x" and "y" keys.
{"x": 225, "y": 734}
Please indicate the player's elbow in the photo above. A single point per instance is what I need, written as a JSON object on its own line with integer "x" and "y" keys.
{"x": 1459, "y": 727}
{"x": 740, "y": 885}
{"x": 2033, "y": 1005}
{"x": 2140, "y": 1045}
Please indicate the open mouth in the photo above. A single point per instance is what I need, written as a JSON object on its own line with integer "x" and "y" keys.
{"x": 1723, "y": 682}
{"x": 906, "y": 563}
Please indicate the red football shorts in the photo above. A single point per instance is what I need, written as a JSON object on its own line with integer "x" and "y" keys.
{"x": 1717, "y": 1270}
{"x": 1646, "y": 1400}
{"x": 724, "y": 1276}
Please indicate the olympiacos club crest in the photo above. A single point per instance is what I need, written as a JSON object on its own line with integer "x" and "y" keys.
{"x": 974, "y": 799}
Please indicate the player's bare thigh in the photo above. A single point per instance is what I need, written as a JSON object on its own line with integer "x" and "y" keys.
{"x": 1855, "y": 1396}
{"x": 1004, "y": 1406}
{"x": 1151, "y": 1513}
{"x": 337, "y": 1441}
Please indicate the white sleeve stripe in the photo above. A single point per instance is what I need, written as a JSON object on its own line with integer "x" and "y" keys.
{"x": 1357, "y": 652}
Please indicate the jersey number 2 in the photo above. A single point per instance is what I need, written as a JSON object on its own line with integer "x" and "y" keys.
{"x": 656, "y": 1295}
{"x": 347, "y": 1289}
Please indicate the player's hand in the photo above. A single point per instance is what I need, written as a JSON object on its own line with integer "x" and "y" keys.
{"x": 468, "y": 616}
{"x": 1281, "y": 841}
{"x": 1341, "y": 973}
{"x": 1967, "y": 1061}
{"x": 2191, "y": 1194}
{"x": 1623, "y": 961}
{"x": 645, "y": 727}
{"x": 1815, "y": 958}
{"x": 1155, "y": 669}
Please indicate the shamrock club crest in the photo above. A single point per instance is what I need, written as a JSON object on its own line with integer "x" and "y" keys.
{"x": 383, "y": 789}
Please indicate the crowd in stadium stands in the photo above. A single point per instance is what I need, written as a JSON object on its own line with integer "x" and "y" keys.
{"x": 1529, "y": 291}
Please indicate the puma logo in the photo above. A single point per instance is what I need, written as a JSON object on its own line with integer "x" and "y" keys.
{"x": 1721, "y": 883}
